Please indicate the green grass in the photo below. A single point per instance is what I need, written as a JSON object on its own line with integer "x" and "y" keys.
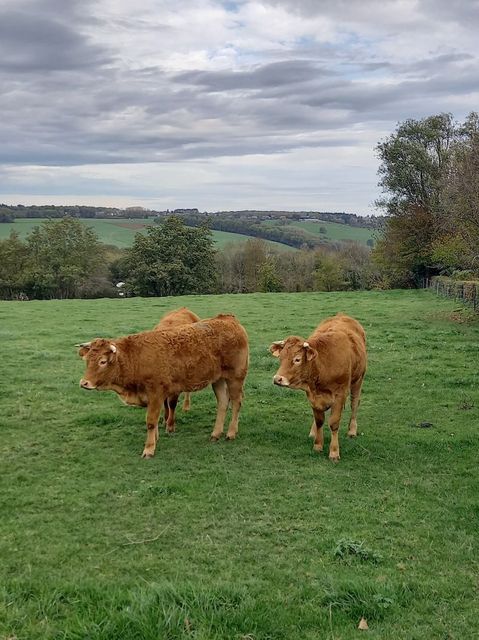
{"x": 121, "y": 232}
{"x": 335, "y": 232}
{"x": 257, "y": 539}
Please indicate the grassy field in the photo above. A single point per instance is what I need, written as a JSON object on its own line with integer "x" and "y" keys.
{"x": 256, "y": 539}
{"x": 335, "y": 232}
{"x": 121, "y": 233}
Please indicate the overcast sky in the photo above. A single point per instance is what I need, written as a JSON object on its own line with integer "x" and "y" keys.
{"x": 217, "y": 104}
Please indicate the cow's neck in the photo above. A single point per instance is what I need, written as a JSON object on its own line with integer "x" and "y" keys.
{"x": 317, "y": 377}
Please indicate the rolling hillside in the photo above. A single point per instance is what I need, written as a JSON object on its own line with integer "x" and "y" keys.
{"x": 121, "y": 232}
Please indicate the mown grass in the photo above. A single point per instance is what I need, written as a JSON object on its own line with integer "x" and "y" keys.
{"x": 259, "y": 539}
{"x": 121, "y": 233}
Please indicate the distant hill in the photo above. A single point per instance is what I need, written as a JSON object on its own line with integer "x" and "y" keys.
{"x": 295, "y": 229}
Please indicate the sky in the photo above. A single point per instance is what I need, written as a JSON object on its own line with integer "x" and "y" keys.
{"x": 221, "y": 104}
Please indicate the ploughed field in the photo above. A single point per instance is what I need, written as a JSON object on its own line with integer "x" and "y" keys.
{"x": 256, "y": 539}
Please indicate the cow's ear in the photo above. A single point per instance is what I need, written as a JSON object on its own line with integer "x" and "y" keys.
{"x": 113, "y": 351}
{"x": 276, "y": 348}
{"x": 84, "y": 348}
{"x": 310, "y": 352}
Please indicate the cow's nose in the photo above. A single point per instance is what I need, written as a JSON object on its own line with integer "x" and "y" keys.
{"x": 84, "y": 384}
{"x": 278, "y": 380}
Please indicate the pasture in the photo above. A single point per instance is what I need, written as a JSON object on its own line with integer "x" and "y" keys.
{"x": 256, "y": 539}
{"x": 121, "y": 232}
{"x": 335, "y": 232}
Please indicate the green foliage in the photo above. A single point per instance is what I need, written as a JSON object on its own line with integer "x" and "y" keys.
{"x": 268, "y": 275}
{"x": 329, "y": 273}
{"x": 413, "y": 162}
{"x": 57, "y": 260}
{"x": 172, "y": 259}
{"x": 430, "y": 175}
{"x": 236, "y": 540}
{"x": 13, "y": 259}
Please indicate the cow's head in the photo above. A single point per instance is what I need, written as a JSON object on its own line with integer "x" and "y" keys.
{"x": 295, "y": 357}
{"x": 100, "y": 356}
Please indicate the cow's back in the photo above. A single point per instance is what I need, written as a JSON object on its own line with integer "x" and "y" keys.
{"x": 177, "y": 318}
{"x": 188, "y": 357}
{"x": 341, "y": 342}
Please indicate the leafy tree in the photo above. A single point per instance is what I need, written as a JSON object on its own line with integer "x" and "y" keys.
{"x": 171, "y": 259}
{"x": 268, "y": 276}
{"x": 329, "y": 273}
{"x": 414, "y": 161}
{"x": 461, "y": 193}
{"x": 13, "y": 259}
{"x": 62, "y": 255}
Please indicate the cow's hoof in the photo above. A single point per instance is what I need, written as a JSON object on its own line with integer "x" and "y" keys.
{"x": 334, "y": 458}
{"x": 318, "y": 448}
{"x": 214, "y": 438}
{"x": 230, "y": 436}
{"x": 146, "y": 455}
{"x": 352, "y": 435}
{"x": 170, "y": 432}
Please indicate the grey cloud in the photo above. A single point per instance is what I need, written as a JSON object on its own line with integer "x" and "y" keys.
{"x": 44, "y": 42}
{"x": 286, "y": 72}
{"x": 84, "y": 111}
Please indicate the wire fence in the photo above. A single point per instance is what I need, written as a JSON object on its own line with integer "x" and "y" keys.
{"x": 466, "y": 291}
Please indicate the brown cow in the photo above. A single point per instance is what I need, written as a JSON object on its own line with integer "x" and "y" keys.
{"x": 155, "y": 365}
{"x": 171, "y": 320}
{"x": 329, "y": 366}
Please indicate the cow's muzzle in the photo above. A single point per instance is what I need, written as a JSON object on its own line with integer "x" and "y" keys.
{"x": 85, "y": 384}
{"x": 281, "y": 381}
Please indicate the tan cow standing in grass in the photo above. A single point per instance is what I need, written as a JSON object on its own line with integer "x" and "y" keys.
{"x": 328, "y": 366}
{"x": 155, "y": 365}
{"x": 171, "y": 320}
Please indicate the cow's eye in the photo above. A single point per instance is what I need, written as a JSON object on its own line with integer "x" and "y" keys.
{"x": 103, "y": 362}
{"x": 297, "y": 360}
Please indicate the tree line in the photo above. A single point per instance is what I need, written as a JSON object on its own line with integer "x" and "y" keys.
{"x": 64, "y": 259}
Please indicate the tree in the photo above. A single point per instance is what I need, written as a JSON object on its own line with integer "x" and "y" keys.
{"x": 461, "y": 194}
{"x": 171, "y": 259}
{"x": 13, "y": 259}
{"x": 329, "y": 273}
{"x": 268, "y": 276}
{"x": 62, "y": 255}
{"x": 414, "y": 161}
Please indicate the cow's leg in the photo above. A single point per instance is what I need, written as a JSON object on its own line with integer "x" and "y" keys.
{"x": 334, "y": 420}
{"x": 222, "y": 399}
{"x": 167, "y": 410}
{"x": 317, "y": 428}
{"x": 172, "y": 401}
{"x": 235, "y": 389}
{"x": 355, "y": 397}
{"x": 187, "y": 402}
{"x": 155, "y": 402}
